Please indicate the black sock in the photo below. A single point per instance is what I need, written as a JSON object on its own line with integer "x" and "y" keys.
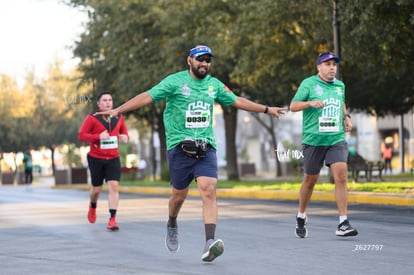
{"x": 112, "y": 213}
{"x": 93, "y": 204}
{"x": 210, "y": 231}
{"x": 172, "y": 222}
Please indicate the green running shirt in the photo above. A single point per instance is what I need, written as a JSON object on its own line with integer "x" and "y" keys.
{"x": 322, "y": 127}
{"x": 189, "y": 106}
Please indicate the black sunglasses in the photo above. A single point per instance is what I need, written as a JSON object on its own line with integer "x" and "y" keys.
{"x": 203, "y": 58}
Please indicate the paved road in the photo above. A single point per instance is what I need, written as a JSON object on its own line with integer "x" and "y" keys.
{"x": 45, "y": 231}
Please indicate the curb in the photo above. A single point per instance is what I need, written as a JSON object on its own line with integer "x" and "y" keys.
{"x": 353, "y": 197}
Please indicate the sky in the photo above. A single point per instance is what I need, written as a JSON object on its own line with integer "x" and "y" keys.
{"x": 36, "y": 32}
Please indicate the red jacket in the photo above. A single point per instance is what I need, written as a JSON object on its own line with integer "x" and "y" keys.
{"x": 92, "y": 126}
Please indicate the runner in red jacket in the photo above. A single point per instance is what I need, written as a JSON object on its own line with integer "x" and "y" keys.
{"x": 103, "y": 134}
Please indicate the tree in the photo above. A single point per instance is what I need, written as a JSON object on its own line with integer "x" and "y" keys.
{"x": 263, "y": 50}
{"x": 378, "y": 50}
{"x": 265, "y": 37}
{"x": 60, "y": 106}
{"x": 123, "y": 35}
{"x": 15, "y": 124}
{"x": 45, "y": 113}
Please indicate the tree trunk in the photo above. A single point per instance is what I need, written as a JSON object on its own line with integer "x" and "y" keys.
{"x": 271, "y": 131}
{"x": 163, "y": 148}
{"x": 153, "y": 152}
{"x": 230, "y": 122}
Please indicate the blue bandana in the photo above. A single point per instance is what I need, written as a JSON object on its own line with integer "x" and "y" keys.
{"x": 200, "y": 50}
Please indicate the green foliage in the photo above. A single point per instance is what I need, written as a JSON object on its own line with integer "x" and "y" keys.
{"x": 165, "y": 172}
{"x": 263, "y": 49}
{"x": 45, "y": 113}
{"x": 297, "y": 163}
{"x": 386, "y": 187}
{"x": 72, "y": 156}
{"x": 378, "y": 43}
{"x": 294, "y": 185}
{"x": 124, "y": 150}
{"x": 59, "y": 110}
{"x": 15, "y": 124}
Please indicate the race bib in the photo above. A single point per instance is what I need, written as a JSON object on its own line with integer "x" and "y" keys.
{"x": 329, "y": 124}
{"x": 197, "y": 119}
{"x": 110, "y": 143}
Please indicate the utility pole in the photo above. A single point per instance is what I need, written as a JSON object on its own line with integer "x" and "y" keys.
{"x": 401, "y": 141}
{"x": 337, "y": 50}
{"x": 336, "y": 35}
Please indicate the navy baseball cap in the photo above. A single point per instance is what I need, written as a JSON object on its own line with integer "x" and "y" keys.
{"x": 200, "y": 50}
{"x": 325, "y": 56}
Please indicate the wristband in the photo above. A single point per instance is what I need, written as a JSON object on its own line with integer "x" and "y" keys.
{"x": 347, "y": 115}
{"x": 266, "y": 110}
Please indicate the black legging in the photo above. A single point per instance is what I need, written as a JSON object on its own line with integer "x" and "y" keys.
{"x": 387, "y": 165}
{"x": 28, "y": 176}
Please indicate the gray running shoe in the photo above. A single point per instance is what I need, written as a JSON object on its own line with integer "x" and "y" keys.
{"x": 346, "y": 230}
{"x": 212, "y": 250}
{"x": 301, "y": 231}
{"x": 171, "y": 239}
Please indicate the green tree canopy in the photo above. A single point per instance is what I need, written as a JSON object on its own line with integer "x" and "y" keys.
{"x": 378, "y": 50}
{"x": 44, "y": 113}
{"x": 263, "y": 49}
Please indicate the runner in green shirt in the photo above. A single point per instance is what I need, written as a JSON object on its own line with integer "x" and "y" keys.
{"x": 189, "y": 106}
{"x": 322, "y": 126}
{"x": 321, "y": 98}
{"x": 188, "y": 119}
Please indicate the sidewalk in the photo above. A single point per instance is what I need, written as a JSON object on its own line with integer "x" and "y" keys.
{"x": 353, "y": 197}
{"x": 43, "y": 181}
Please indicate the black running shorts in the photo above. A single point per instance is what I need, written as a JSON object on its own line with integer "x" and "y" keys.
{"x": 314, "y": 156}
{"x": 104, "y": 169}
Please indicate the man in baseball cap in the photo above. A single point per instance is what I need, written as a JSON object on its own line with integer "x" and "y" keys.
{"x": 321, "y": 98}
{"x": 325, "y": 56}
{"x": 190, "y": 95}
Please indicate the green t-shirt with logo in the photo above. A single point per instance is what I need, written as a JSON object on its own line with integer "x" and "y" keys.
{"x": 189, "y": 106}
{"x": 322, "y": 127}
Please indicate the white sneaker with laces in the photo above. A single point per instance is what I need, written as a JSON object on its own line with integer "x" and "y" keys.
{"x": 346, "y": 230}
{"x": 212, "y": 250}
{"x": 171, "y": 239}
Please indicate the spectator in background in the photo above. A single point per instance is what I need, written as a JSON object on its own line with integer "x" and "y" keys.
{"x": 387, "y": 156}
{"x": 28, "y": 167}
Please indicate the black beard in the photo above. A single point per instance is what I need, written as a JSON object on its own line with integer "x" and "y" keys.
{"x": 197, "y": 73}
